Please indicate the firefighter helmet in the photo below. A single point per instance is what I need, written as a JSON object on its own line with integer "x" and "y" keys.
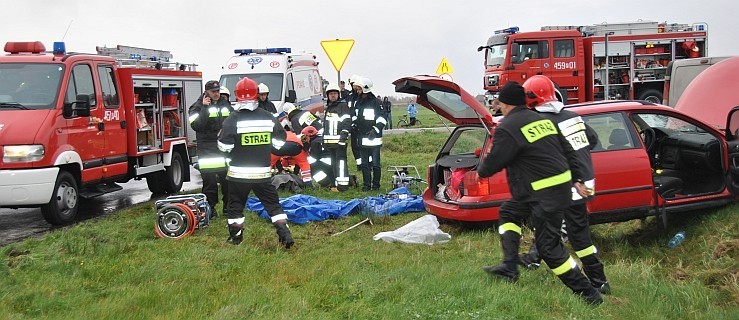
{"x": 353, "y": 79}
{"x": 332, "y": 87}
{"x": 309, "y": 131}
{"x": 289, "y": 107}
{"x": 539, "y": 90}
{"x": 246, "y": 90}
{"x": 225, "y": 91}
{"x": 366, "y": 84}
{"x": 263, "y": 88}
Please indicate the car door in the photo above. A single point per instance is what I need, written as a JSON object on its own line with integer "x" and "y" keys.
{"x": 84, "y": 135}
{"x": 623, "y": 173}
{"x": 732, "y": 141}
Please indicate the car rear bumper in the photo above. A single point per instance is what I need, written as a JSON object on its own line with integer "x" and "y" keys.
{"x": 26, "y": 187}
{"x": 469, "y": 212}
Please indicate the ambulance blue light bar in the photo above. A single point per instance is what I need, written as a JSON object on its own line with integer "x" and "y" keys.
{"x": 510, "y": 30}
{"x": 265, "y": 50}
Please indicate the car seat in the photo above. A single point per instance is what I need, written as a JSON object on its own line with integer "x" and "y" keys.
{"x": 618, "y": 139}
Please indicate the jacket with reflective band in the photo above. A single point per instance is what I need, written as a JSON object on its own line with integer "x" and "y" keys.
{"x": 577, "y": 139}
{"x": 207, "y": 121}
{"x": 320, "y": 163}
{"x": 369, "y": 117}
{"x": 337, "y": 122}
{"x": 300, "y": 119}
{"x": 528, "y": 147}
{"x": 249, "y": 137}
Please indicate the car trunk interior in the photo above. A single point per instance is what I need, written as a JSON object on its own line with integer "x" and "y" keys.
{"x": 459, "y": 155}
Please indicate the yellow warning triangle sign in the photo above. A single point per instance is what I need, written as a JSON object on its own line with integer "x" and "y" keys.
{"x": 444, "y": 67}
{"x": 337, "y": 51}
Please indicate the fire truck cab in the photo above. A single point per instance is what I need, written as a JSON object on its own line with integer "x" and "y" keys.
{"x": 624, "y": 60}
{"x": 74, "y": 125}
{"x": 291, "y": 77}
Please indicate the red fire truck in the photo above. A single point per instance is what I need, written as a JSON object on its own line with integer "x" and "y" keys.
{"x": 624, "y": 60}
{"x": 74, "y": 125}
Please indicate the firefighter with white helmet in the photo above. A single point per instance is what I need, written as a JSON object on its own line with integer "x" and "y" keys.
{"x": 248, "y": 136}
{"x": 369, "y": 121}
{"x": 299, "y": 119}
{"x": 527, "y": 146}
{"x": 577, "y": 139}
{"x": 225, "y": 94}
{"x": 337, "y": 124}
{"x": 356, "y": 91}
{"x": 207, "y": 115}
{"x": 264, "y": 102}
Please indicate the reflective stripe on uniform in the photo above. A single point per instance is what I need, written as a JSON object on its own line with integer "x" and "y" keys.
{"x": 307, "y": 118}
{"x": 311, "y": 160}
{"x": 381, "y": 119}
{"x": 509, "y": 226}
{"x": 225, "y": 147}
{"x": 371, "y": 142}
{"x": 561, "y": 178}
{"x": 359, "y": 161}
{"x": 236, "y": 221}
{"x": 538, "y": 129}
{"x": 571, "y": 126}
{"x": 277, "y": 143}
{"x": 586, "y": 252}
{"x": 566, "y": 266}
{"x": 326, "y": 160}
{"x": 320, "y": 175}
{"x": 249, "y": 172}
{"x": 279, "y": 217}
{"x": 212, "y": 163}
{"x": 225, "y": 112}
{"x": 193, "y": 117}
{"x": 247, "y": 126}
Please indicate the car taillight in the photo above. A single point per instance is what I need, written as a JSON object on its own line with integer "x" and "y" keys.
{"x": 474, "y": 187}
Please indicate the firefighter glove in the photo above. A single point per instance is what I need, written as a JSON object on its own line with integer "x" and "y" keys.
{"x": 342, "y": 138}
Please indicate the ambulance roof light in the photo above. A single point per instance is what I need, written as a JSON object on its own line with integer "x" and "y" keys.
{"x": 26, "y": 47}
{"x": 510, "y": 30}
{"x": 59, "y": 48}
{"x": 265, "y": 50}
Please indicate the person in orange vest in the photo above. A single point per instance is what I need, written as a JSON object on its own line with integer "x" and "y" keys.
{"x": 293, "y": 153}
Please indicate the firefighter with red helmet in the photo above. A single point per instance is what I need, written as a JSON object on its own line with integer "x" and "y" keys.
{"x": 577, "y": 139}
{"x": 248, "y": 136}
{"x": 207, "y": 115}
{"x": 318, "y": 157}
{"x": 337, "y": 123}
{"x": 539, "y": 178}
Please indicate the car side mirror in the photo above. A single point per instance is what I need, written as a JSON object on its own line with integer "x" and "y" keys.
{"x": 291, "y": 96}
{"x": 78, "y": 108}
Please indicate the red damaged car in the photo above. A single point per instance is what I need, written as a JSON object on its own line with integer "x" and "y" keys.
{"x": 650, "y": 160}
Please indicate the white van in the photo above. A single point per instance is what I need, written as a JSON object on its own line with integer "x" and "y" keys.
{"x": 679, "y": 75}
{"x": 291, "y": 77}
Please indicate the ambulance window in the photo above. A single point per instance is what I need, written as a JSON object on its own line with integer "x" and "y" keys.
{"x": 80, "y": 83}
{"x": 108, "y": 86}
{"x": 564, "y": 48}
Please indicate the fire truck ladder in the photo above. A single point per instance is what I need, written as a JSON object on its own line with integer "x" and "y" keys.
{"x": 144, "y": 58}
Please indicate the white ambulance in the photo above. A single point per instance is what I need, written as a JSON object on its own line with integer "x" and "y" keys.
{"x": 291, "y": 77}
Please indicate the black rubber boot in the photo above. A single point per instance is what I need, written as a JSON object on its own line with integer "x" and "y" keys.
{"x": 235, "y": 233}
{"x": 284, "y": 234}
{"x": 592, "y": 296}
{"x": 213, "y": 212}
{"x": 503, "y": 271}
{"x": 594, "y": 271}
{"x": 531, "y": 260}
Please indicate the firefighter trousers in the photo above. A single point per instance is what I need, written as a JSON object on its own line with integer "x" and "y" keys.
{"x": 339, "y": 167}
{"x": 210, "y": 188}
{"x": 355, "y": 148}
{"x": 547, "y": 239}
{"x": 239, "y": 193}
{"x": 370, "y": 167}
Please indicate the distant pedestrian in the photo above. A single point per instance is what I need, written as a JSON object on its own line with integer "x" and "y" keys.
{"x": 412, "y": 112}
{"x": 343, "y": 91}
{"x": 388, "y": 107}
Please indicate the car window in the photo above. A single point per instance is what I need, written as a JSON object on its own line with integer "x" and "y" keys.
{"x": 664, "y": 121}
{"x": 468, "y": 141}
{"x": 613, "y": 134}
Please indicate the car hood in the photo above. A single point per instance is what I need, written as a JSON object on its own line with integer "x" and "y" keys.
{"x": 446, "y": 99}
{"x": 20, "y": 126}
{"x": 710, "y": 96}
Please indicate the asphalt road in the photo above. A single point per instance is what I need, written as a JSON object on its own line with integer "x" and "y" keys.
{"x": 18, "y": 224}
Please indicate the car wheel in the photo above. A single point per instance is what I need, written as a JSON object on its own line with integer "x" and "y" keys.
{"x": 64, "y": 203}
{"x": 651, "y": 95}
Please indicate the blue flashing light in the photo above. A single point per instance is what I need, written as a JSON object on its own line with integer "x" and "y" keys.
{"x": 60, "y": 48}
{"x": 265, "y": 50}
{"x": 510, "y": 30}
{"x": 134, "y": 56}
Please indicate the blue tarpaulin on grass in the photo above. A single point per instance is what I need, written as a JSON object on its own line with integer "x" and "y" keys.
{"x": 301, "y": 209}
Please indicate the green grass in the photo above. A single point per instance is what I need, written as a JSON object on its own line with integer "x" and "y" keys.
{"x": 116, "y": 268}
{"x": 428, "y": 118}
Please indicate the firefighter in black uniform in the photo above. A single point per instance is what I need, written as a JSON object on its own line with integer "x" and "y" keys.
{"x": 369, "y": 120}
{"x": 337, "y": 123}
{"x": 299, "y": 119}
{"x": 248, "y": 136}
{"x": 577, "y": 139}
{"x": 264, "y": 102}
{"x": 351, "y": 100}
{"x": 206, "y": 118}
{"x": 526, "y": 145}
{"x": 318, "y": 157}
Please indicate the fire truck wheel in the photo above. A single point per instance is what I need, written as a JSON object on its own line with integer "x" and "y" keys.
{"x": 64, "y": 203}
{"x": 651, "y": 95}
{"x": 155, "y": 182}
{"x": 175, "y": 174}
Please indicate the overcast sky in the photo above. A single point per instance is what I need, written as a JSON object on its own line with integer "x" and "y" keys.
{"x": 393, "y": 38}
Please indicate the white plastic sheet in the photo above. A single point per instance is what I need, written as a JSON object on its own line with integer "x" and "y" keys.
{"x": 424, "y": 230}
